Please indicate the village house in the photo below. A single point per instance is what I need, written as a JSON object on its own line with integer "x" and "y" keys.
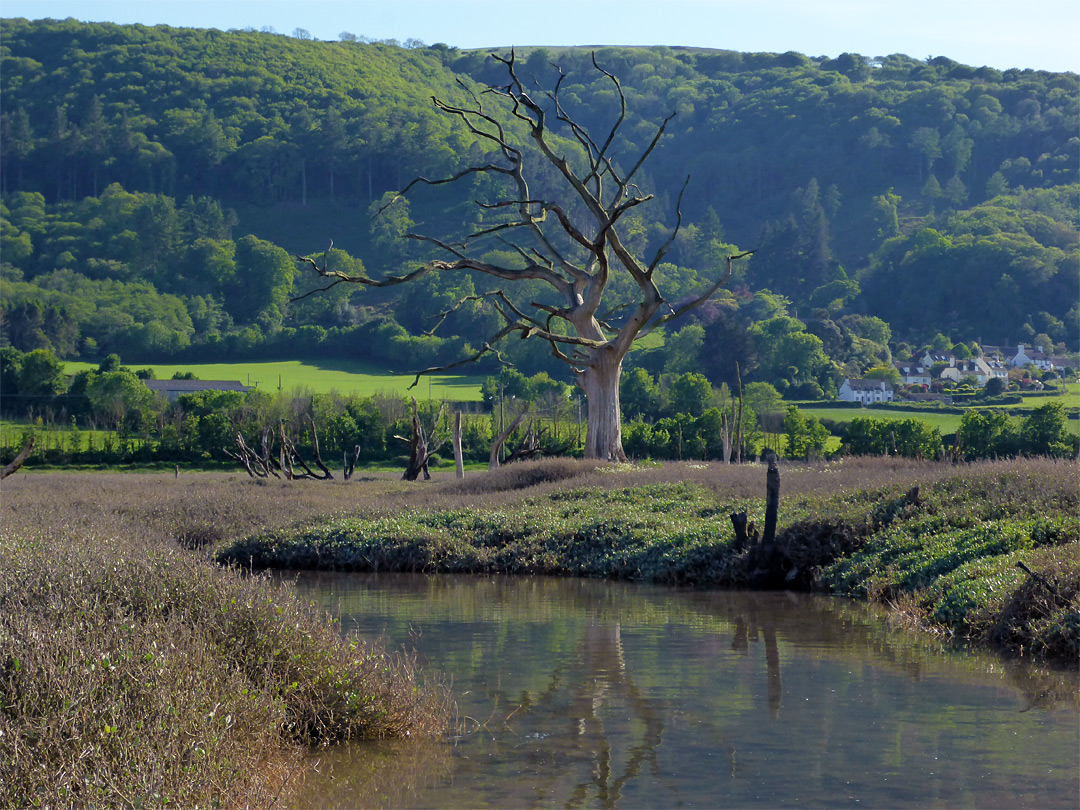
{"x": 172, "y": 389}
{"x": 911, "y": 374}
{"x": 980, "y": 369}
{"x": 1021, "y": 355}
{"x": 865, "y": 391}
{"x": 1035, "y": 356}
{"x": 930, "y": 358}
{"x": 983, "y": 369}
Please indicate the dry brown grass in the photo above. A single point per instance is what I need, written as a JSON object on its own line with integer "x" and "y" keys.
{"x": 133, "y": 671}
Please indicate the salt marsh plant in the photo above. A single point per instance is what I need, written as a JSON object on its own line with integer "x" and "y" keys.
{"x": 135, "y": 671}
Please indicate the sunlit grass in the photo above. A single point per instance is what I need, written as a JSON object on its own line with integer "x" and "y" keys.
{"x": 342, "y": 376}
{"x": 945, "y": 422}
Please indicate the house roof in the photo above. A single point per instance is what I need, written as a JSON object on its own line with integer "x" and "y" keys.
{"x": 942, "y": 357}
{"x": 912, "y": 370}
{"x": 190, "y": 386}
{"x": 865, "y": 385}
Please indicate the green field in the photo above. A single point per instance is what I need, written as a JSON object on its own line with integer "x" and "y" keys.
{"x": 341, "y": 376}
{"x": 944, "y": 422}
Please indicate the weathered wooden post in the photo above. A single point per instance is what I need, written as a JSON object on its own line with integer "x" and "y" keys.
{"x": 764, "y": 562}
{"x": 458, "y": 460}
{"x": 772, "y": 500}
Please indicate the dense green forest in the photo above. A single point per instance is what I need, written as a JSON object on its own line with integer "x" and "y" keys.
{"x": 156, "y": 181}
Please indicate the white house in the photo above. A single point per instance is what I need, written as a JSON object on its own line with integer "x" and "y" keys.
{"x": 1037, "y": 357}
{"x": 865, "y": 391}
{"x": 982, "y": 370}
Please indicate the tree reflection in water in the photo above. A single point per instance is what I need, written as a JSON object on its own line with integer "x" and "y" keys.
{"x": 606, "y": 683}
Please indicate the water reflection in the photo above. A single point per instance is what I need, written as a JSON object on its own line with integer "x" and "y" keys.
{"x": 578, "y": 693}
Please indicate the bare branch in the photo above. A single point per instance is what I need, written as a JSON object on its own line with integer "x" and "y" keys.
{"x": 485, "y": 349}
{"x": 317, "y": 290}
{"x": 389, "y": 281}
{"x": 315, "y": 449}
{"x": 709, "y": 293}
{"x": 675, "y": 232}
{"x": 491, "y": 167}
{"x": 17, "y": 462}
{"x": 648, "y": 151}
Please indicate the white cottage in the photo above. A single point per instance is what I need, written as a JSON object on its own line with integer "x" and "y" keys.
{"x": 865, "y": 391}
{"x": 1037, "y": 357}
{"x": 978, "y": 368}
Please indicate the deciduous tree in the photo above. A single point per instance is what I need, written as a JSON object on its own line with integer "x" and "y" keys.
{"x": 572, "y": 245}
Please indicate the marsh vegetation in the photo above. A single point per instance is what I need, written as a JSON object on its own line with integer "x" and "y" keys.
{"x": 135, "y": 626}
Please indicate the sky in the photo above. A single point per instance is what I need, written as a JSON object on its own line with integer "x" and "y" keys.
{"x": 1039, "y": 34}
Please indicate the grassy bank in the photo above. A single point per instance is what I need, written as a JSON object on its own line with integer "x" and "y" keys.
{"x": 135, "y": 672}
{"x": 949, "y": 562}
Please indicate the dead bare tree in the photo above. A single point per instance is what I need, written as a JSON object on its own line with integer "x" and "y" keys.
{"x": 289, "y": 461}
{"x": 573, "y": 246}
{"x": 500, "y": 440}
{"x": 459, "y": 461}
{"x": 348, "y": 463}
{"x": 258, "y": 465}
{"x": 423, "y": 444}
{"x": 293, "y": 460}
{"x": 537, "y": 441}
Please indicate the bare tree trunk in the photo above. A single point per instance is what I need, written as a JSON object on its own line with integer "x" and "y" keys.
{"x": 326, "y": 474}
{"x": 725, "y": 435}
{"x": 286, "y": 456}
{"x": 349, "y": 464}
{"x": 738, "y": 423}
{"x": 417, "y": 450}
{"x": 459, "y": 462}
{"x": 600, "y": 382}
{"x": 422, "y": 446}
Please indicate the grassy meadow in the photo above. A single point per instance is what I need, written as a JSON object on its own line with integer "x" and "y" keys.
{"x": 344, "y": 377}
{"x": 944, "y": 422}
{"x": 949, "y": 422}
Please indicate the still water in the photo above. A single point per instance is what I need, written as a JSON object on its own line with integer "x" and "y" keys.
{"x": 581, "y": 693}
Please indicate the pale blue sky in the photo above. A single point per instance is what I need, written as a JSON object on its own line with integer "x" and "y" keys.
{"x": 1040, "y": 34}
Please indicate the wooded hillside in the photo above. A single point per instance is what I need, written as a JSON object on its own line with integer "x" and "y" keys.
{"x": 155, "y": 181}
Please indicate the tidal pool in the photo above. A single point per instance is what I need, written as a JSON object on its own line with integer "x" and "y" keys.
{"x": 583, "y": 693}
